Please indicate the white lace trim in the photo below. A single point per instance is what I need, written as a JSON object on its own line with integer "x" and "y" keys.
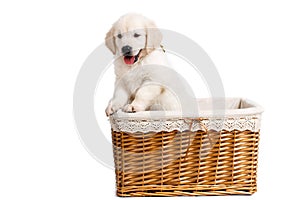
{"x": 240, "y": 123}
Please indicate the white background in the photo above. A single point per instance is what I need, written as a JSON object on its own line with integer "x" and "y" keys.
{"x": 254, "y": 44}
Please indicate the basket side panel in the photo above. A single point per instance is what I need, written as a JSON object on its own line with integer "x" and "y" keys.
{"x": 185, "y": 163}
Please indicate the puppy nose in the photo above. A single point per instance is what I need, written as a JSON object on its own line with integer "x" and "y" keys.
{"x": 126, "y": 50}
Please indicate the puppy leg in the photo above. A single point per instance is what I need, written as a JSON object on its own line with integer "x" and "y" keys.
{"x": 118, "y": 101}
{"x": 144, "y": 98}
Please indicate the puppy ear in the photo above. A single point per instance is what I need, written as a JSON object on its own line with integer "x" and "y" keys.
{"x": 110, "y": 41}
{"x": 153, "y": 37}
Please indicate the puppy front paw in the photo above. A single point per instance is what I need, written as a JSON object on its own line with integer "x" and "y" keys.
{"x": 129, "y": 108}
{"x": 109, "y": 110}
{"x": 133, "y": 107}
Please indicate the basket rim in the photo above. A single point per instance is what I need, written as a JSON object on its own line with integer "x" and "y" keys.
{"x": 234, "y": 107}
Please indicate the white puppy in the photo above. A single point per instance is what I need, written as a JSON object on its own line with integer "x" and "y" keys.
{"x": 140, "y": 83}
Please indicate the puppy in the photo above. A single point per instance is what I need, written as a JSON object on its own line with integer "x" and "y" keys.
{"x": 142, "y": 80}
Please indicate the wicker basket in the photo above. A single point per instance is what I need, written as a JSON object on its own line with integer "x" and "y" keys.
{"x": 178, "y": 155}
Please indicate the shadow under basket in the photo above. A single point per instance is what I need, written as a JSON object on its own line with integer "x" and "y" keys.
{"x": 167, "y": 154}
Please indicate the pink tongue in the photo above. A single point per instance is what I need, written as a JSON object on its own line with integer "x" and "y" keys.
{"x": 129, "y": 60}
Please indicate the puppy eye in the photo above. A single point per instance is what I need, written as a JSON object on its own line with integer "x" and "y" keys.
{"x": 119, "y": 36}
{"x": 136, "y": 35}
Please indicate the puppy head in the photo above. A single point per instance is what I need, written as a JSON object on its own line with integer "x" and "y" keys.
{"x": 132, "y": 37}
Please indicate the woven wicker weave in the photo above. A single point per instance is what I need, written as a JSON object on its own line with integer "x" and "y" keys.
{"x": 185, "y": 163}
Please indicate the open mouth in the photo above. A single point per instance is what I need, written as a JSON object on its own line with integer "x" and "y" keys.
{"x": 130, "y": 60}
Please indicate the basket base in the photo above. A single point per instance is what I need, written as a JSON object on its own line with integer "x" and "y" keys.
{"x": 201, "y": 190}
